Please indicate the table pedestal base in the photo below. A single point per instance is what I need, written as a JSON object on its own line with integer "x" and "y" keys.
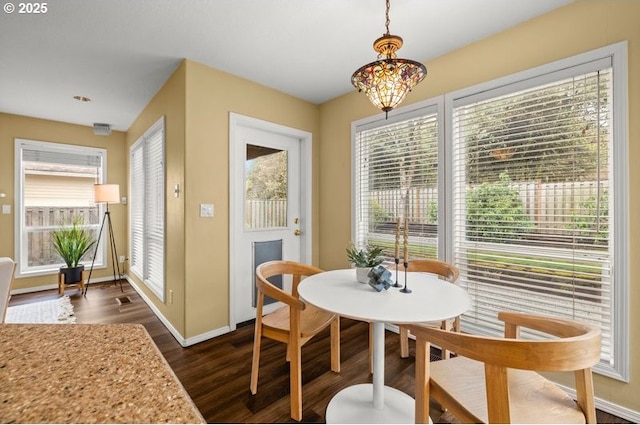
{"x": 354, "y": 405}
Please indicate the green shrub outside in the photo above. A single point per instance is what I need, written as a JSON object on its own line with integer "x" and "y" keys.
{"x": 495, "y": 213}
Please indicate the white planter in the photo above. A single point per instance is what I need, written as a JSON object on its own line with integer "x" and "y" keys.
{"x": 362, "y": 274}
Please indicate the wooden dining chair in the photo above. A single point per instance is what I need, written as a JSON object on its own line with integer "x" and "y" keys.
{"x": 293, "y": 324}
{"x": 496, "y": 380}
{"x": 445, "y": 271}
{"x": 7, "y": 270}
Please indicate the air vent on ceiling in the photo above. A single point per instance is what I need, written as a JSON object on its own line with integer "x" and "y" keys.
{"x": 101, "y": 129}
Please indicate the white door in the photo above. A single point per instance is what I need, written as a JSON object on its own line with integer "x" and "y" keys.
{"x": 267, "y": 222}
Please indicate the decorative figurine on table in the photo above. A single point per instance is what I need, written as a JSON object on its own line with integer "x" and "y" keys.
{"x": 380, "y": 278}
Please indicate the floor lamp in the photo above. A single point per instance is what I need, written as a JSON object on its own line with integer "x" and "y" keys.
{"x": 106, "y": 194}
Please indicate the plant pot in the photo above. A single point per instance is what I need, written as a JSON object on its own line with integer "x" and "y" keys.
{"x": 362, "y": 274}
{"x": 72, "y": 274}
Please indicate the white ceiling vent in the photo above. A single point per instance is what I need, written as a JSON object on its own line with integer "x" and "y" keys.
{"x": 101, "y": 129}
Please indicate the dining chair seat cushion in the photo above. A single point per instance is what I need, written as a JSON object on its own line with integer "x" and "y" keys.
{"x": 312, "y": 320}
{"x": 461, "y": 380}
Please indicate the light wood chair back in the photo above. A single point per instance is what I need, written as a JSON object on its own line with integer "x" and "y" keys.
{"x": 7, "y": 271}
{"x": 444, "y": 270}
{"x": 293, "y": 324}
{"x": 496, "y": 380}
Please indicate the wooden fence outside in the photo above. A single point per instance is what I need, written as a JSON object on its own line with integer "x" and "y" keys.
{"x": 551, "y": 206}
{"x": 261, "y": 214}
{"x": 40, "y": 221}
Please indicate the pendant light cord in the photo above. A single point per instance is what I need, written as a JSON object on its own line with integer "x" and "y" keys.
{"x": 387, "y": 14}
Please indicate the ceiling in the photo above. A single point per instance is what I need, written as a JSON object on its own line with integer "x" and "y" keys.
{"x": 119, "y": 53}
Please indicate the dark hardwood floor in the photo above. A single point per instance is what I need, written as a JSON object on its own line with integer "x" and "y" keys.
{"x": 216, "y": 372}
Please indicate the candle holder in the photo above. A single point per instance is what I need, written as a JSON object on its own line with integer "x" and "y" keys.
{"x": 397, "y": 285}
{"x": 405, "y": 289}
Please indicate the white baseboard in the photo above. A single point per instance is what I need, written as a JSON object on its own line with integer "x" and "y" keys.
{"x": 207, "y": 335}
{"x": 177, "y": 335}
{"x": 55, "y": 286}
{"x": 619, "y": 411}
{"x": 609, "y": 407}
{"x": 158, "y": 314}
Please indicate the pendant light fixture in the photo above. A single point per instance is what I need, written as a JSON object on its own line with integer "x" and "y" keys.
{"x": 387, "y": 81}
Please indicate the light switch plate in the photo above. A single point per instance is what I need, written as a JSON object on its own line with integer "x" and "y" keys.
{"x": 206, "y": 210}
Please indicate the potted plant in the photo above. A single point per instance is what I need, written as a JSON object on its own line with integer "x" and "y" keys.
{"x": 72, "y": 242}
{"x": 364, "y": 259}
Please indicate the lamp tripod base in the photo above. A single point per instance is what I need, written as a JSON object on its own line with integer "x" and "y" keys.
{"x": 117, "y": 278}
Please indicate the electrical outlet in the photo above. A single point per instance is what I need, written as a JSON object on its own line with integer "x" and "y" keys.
{"x": 170, "y": 296}
{"x": 122, "y": 258}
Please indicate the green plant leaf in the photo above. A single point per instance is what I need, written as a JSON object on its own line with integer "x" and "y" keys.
{"x": 368, "y": 256}
{"x": 72, "y": 241}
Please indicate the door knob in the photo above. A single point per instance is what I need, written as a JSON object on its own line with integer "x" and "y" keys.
{"x": 297, "y": 232}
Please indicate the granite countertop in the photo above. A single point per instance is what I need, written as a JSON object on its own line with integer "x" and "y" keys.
{"x": 88, "y": 374}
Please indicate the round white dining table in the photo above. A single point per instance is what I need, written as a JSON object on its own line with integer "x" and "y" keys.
{"x": 431, "y": 299}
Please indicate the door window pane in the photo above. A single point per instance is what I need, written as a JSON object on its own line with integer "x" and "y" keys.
{"x": 266, "y": 176}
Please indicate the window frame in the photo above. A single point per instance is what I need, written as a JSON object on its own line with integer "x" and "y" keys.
{"x": 19, "y": 219}
{"x": 617, "y": 54}
{"x": 142, "y": 271}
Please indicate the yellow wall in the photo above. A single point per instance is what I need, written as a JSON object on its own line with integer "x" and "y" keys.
{"x": 576, "y": 28}
{"x": 16, "y": 126}
{"x": 170, "y": 103}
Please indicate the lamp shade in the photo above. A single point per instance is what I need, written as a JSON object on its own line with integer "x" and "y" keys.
{"x": 388, "y": 80}
{"x": 107, "y": 193}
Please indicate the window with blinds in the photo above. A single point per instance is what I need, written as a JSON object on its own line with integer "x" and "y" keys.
{"x": 521, "y": 182}
{"x": 396, "y": 178}
{"x": 54, "y": 185}
{"x": 146, "y": 221}
{"x": 533, "y": 199}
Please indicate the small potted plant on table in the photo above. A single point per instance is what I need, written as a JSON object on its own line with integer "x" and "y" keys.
{"x": 364, "y": 259}
{"x": 72, "y": 242}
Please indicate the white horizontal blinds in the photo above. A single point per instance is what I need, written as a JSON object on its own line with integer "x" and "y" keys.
{"x": 532, "y": 200}
{"x": 60, "y": 156}
{"x": 56, "y": 176}
{"x": 136, "y": 208}
{"x": 147, "y": 208}
{"x": 154, "y": 210}
{"x": 397, "y": 176}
